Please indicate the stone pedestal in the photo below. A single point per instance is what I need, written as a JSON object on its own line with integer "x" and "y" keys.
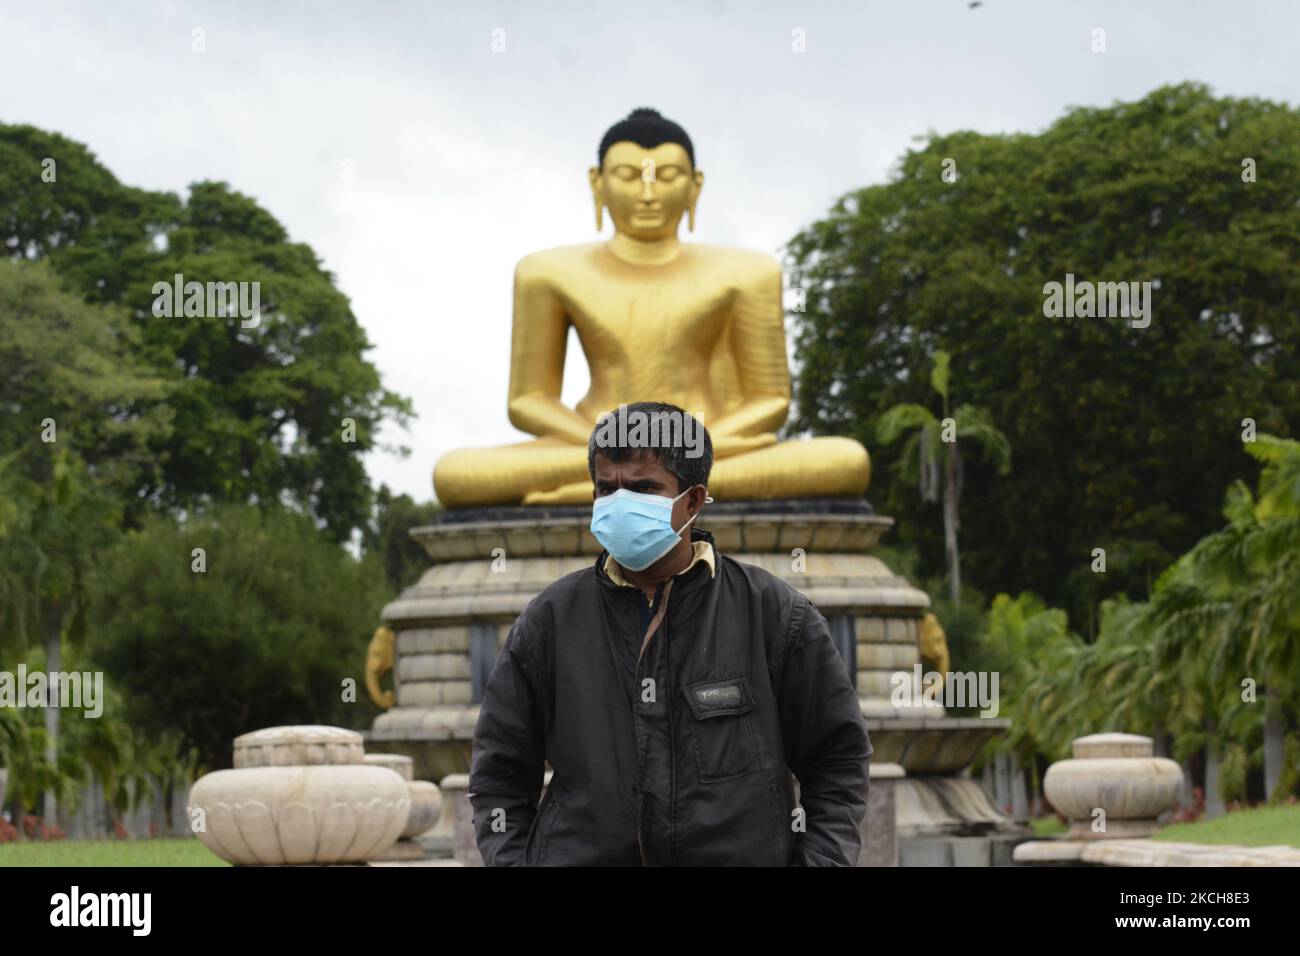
{"x": 426, "y": 809}
{"x": 1114, "y": 788}
{"x": 299, "y": 795}
{"x": 879, "y": 833}
{"x": 458, "y": 817}
{"x": 489, "y": 563}
{"x": 426, "y": 798}
{"x": 455, "y": 791}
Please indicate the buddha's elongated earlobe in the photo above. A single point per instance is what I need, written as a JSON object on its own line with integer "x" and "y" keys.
{"x": 593, "y": 178}
{"x": 697, "y": 185}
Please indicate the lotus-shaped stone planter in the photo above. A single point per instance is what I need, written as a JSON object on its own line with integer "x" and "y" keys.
{"x": 1117, "y": 774}
{"x": 426, "y": 799}
{"x": 299, "y": 746}
{"x": 315, "y": 814}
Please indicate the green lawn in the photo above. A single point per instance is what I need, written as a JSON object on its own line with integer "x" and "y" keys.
{"x": 109, "y": 853}
{"x": 1258, "y": 826}
{"x": 1047, "y": 826}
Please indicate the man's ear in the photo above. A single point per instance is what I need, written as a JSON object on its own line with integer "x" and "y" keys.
{"x": 695, "y": 500}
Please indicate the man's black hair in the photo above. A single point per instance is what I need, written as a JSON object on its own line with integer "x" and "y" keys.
{"x": 667, "y": 431}
{"x": 648, "y": 129}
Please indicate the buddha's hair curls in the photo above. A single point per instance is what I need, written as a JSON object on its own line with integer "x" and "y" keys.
{"x": 646, "y": 128}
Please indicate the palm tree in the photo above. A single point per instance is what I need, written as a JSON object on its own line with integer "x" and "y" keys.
{"x": 1173, "y": 666}
{"x": 1230, "y": 607}
{"x": 47, "y": 554}
{"x": 924, "y": 453}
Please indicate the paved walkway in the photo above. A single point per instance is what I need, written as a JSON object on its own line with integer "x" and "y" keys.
{"x": 415, "y": 863}
{"x": 1153, "y": 853}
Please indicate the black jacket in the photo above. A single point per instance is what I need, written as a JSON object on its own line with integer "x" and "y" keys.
{"x": 686, "y": 759}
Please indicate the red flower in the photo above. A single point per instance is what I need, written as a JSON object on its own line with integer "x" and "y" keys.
{"x": 52, "y": 832}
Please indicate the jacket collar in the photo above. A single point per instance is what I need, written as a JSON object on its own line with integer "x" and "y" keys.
{"x": 702, "y": 553}
{"x": 688, "y": 576}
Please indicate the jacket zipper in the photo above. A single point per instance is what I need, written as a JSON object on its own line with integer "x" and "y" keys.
{"x": 672, "y": 753}
{"x": 640, "y": 801}
{"x": 661, "y": 616}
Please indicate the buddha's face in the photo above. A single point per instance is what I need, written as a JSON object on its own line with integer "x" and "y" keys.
{"x": 646, "y": 190}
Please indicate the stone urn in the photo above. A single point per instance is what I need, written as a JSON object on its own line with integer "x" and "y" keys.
{"x": 426, "y": 798}
{"x": 299, "y": 795}
{"x": 1119, "y": 775}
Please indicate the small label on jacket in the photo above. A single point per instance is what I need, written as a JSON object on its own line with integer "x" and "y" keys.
{"x": 716, "y": 698}
{"x": 729, "y": 694}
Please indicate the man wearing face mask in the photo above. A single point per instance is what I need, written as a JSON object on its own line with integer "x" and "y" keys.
{"x": 676, "y": 693}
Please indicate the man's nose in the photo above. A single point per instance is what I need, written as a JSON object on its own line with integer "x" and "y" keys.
{"x": 647, "y": 188}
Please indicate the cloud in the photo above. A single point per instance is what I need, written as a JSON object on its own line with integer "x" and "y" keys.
{"x": 465, "y": 159}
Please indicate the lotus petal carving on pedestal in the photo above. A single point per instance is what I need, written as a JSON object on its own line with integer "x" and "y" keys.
{"x": 343, "y": 813}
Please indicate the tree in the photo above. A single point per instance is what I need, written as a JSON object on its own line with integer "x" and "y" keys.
{"x": 281, "y": 409}
{"x": 82, "y": 411}
{"x": 1133, "y": 432}
{"x": 1232, "y": 604}
{"x": 101, "y": 746}
{"x": 72, "y": 380}
{"x": 932, "y": 440}
{"x": 234, "y": 620}
{"x": 47, "y": 558}
{"x": 15, "y": 746}
{"x": 388, "y": 538}
{"x": 1219, "y": 636}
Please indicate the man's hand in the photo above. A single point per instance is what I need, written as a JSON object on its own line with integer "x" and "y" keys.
{"x": 826, "y": 745}
{"x": 507, "y": 769}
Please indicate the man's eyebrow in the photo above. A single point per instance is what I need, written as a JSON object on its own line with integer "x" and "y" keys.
{"x": 629, "y": 483}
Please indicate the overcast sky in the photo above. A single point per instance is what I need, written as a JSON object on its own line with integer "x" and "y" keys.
{"x": 464, "y": 159}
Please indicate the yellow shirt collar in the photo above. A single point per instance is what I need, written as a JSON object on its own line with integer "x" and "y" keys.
{"x": 701, "y": 551}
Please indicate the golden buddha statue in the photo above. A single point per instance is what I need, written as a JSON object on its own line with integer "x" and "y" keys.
{"x": 701, "y": 327}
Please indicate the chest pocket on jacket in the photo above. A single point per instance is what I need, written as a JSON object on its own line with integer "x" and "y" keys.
{"x": 721, "y": 734}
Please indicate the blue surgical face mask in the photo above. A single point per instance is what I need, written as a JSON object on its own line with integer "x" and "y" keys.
{"x": 637, "y": 529}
